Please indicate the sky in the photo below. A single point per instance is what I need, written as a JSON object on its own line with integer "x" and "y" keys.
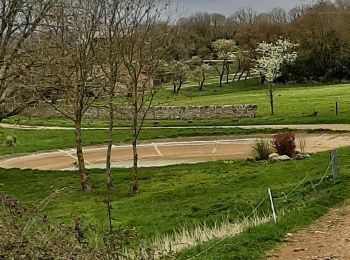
{"x": 227, "y": 7}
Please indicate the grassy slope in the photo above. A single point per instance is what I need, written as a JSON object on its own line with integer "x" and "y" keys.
{"x": 173, "y": 196}
{"x": 291, "y": 102}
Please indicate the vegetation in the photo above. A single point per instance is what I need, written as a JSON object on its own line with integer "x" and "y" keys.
{"x": 262, "y": 149}
{"x": 176, "y": 196}
{"x": 284, "y": 143}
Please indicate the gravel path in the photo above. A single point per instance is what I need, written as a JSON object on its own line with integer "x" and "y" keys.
{"x": 161, "y": 153}
{"x": 333, "y": 127}
{"x": 327, "y": 239}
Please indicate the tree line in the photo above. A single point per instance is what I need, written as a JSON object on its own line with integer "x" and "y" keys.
{"x": 320, "y": 29}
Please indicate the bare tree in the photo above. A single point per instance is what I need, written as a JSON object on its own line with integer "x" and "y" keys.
{"x": 19, "y": 24}
{"x": 113, "y": 14}
{"x": 145, "y": 43}
{"x": 73, "y": 37}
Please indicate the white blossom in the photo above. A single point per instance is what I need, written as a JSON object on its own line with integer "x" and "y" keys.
{"x": 273, "y": 56}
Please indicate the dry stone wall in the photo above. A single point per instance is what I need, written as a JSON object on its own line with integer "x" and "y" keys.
{"x": 164, "y": 112}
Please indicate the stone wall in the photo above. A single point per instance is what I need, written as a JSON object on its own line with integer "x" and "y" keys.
{"x": 164, "y": 113}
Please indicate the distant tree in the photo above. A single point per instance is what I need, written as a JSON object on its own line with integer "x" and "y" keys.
{"x": 180, "y": 72}
{"x": 224, "y": 50}
{"x": 199, "y": 71}
{"x": 270, "y": 60}
{"x": 20, "y": 59}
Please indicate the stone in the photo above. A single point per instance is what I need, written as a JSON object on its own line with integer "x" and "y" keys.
{"x": 161, "y": 112}
{"x": 298, "y": 250}
{"x": 275, "y": 157}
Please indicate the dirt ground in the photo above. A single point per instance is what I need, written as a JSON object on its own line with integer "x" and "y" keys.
{"x": 178, "y": 151}
{"x": 327, "y": 239}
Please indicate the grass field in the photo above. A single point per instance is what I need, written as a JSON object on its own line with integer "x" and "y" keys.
{"x": 184, "y": 195}
{"x": 293, "y": 104}
{"x": 176, "y": 196}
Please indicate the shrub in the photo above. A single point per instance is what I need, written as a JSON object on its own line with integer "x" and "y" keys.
{"x": 302, "y": 144}
{"x": 10, "y": 140}
{"x": 284, "y": 143}
{"x": 262, "y": 149}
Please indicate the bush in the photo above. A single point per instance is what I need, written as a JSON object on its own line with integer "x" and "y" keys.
{"x": 10, "y": 140}
{"x": 284, "y": 143}
{"x": 262, "y": 149}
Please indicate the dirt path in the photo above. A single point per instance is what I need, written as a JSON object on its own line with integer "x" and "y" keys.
{"x": 188, "y": 150}
{"x": 327, "y": 239}
{"x": 332, "y": 127}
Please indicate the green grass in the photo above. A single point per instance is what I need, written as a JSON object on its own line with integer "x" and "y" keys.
{"x": 176, "y": 196}
{"x": 291, "y": 102}
{"x": 292, "y": 105}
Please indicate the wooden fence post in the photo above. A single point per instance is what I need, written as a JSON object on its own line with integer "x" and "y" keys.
{"x": 336, "y": 108}
{"x": 272, "y": 206}
{"x": 334, "y": 162}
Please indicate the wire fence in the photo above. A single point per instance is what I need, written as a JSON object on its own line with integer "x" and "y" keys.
{"x": 333, "y": 162}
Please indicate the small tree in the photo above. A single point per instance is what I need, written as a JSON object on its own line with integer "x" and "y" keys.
{"x": 200, "y": 71}
{"x": 180, "y": 72}
{"x": 272, "y": 57}
{"x": 145, "y": 41}
{"x": 224, "y": 51}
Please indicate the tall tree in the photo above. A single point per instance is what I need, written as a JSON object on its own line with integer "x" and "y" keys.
{"x": 72, "y": 61}
{"x": 145, "y": 42}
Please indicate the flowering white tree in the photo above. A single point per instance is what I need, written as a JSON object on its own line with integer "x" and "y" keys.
{"x": 224, "y": 49}
{"x": 271, "y": 58}
{"x": 199, "y": 71}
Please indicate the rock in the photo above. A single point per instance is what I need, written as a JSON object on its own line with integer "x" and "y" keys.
{"x": 301, "y": 156}
{"x": 273, "y": 155}
{"x": 282, "y": 158}
{"x": 289, "y": 234}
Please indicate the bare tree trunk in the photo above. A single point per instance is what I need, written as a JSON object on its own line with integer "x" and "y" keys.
{"x": 109, "y": 184}
{"x": 241, "y": 75}
{"x": 179, "y": 87}
{"x": 222, "y": 73}
{"x": 221, "y": 78}
{"x": 271, "y": 99}
{"x": 201, "y": 84}
{"x": 227, "y": 72}
{"x": 84, "y": 178}
{"x": 175, "y": 87}
{"x": 134, "y": 184}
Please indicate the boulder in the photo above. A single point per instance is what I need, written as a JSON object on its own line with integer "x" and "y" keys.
{"x": 275, "y": 157}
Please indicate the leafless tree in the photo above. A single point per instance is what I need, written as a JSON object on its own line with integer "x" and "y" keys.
{"x": 145, "y": 42}
{"x": 19, "y": 24}
{"x": 72, "y": 61}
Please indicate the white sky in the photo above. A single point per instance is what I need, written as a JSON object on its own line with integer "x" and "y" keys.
{"x": 227, "y": 7}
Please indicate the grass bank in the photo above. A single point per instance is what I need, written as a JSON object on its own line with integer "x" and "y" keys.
{"x": 293, "y": 104}
{"x": 183, "y": 195}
